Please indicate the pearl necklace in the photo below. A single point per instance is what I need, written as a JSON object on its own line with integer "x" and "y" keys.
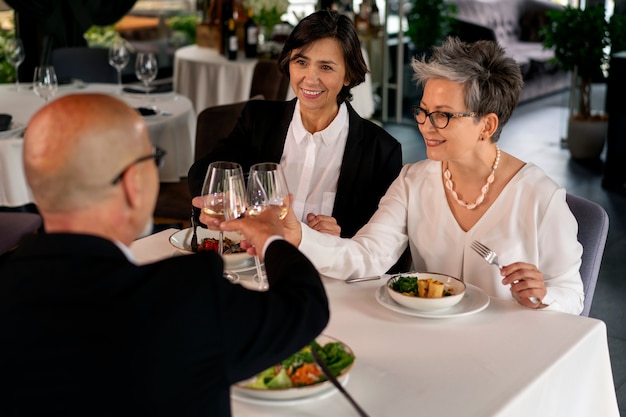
{"x": 481, "y": 197}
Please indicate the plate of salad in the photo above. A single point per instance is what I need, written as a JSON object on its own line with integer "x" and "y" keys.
{"x": 298, "y": 376}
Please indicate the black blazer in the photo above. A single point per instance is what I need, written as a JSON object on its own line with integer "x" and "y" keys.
{"x": 84, "y": 332}
{"x": 371, "y": 161}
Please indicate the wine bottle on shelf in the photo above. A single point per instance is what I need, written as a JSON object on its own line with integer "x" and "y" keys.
{"x": 232, "y": 45}
{"x": 251, "y": 35}
{"x": 374, "y": 16}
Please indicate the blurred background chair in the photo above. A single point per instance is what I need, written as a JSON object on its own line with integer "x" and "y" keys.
{"x": 213, "y": 125}
{"x": 82, "y": 63}
{"x": 268, "y": 81}
{"x": 15, "y": 225}
{"x": 593, "y": 229}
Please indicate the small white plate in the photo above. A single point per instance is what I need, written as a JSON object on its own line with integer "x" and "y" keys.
{"x": 475, "y": 300}
{"x": 236, "y": 262}
{"x": 14, "y": 131}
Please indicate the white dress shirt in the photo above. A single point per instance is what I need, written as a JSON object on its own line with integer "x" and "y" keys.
{"x": 530, "y": 221}
{"x": 312, "y": 161}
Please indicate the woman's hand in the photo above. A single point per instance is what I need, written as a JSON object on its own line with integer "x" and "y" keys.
{"x": 526, "y": 281}
{"x": 323, "y": 224}
{"x": 210, "y": 222}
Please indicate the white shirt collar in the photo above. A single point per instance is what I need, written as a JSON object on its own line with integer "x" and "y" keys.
{"x": 332, "y": 131}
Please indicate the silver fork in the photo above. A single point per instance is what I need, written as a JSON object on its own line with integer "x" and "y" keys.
{"x": 491, "y": 257}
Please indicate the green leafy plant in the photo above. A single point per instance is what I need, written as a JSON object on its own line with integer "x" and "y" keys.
{"x": 185, "y": 24}
{"x": 101, "y": 36}
{"x": 581, "y": 39}
{"x": 7, "y": 71}
{"x": 430, "y": 21}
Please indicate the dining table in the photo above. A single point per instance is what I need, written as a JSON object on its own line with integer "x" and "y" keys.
{"x": 209, "y": 79}
{"x": 489, "y": 358}
{"x": 172, "y": 127}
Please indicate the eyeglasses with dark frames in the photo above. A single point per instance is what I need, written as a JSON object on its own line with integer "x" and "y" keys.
{"x": 439, "y": 119}
{"x": 157, "y": 154}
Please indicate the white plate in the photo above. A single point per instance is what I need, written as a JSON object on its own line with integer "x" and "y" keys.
{"x": 237, "y": 262}
{"x": 475, "y": 300}
{"x": 14, "y": 131}
{"x": 237, "y": 396}
{"x": 290, "y": 396}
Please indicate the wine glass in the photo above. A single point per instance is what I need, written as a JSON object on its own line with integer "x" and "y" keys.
{"x": 219, "y": 178}
{"x": 45, "y": 83}
{"x": 146, "y": 69}
{"x": 266, "y": 187}
{"x": 119, "y": 56}
{"x": 15, "y": 54}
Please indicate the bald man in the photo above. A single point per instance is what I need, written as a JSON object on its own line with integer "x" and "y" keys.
{"x": 87, "y": 332}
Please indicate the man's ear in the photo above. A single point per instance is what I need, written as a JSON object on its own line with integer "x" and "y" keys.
{"x": 131, "y": 184}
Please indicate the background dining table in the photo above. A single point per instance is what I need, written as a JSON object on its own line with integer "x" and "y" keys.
{"x": 501, "y": 361}
{"x": 173, "y": 129}
{"x": 209, "y": 79}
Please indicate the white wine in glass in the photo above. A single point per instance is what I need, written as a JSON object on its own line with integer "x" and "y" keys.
{"x": 215, "y": 193}
{"x": 15, "y": 54}
{"x": 45, "y": 83}
{"x": 119, "y": 56}
{"x": 266, "y": 187}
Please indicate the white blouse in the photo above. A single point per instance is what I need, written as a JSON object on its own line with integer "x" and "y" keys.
{"x": 529, "y": 221}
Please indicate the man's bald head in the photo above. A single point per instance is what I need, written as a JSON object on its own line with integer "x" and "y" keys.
{"x": 76, "y": 145}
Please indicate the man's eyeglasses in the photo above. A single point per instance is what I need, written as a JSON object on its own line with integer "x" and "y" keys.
{"x": 438, "y": 119}
{"x": 157, "y": 154}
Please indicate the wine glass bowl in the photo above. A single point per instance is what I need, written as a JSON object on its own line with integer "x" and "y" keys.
{"x": 45, "y": 83}
{"x": 146, "y": 69}
{"x": 15, "y": 54}
{"x": 216, "y": 192}
{"x": 119, "y": 56}
{"x": 266, "y": 187}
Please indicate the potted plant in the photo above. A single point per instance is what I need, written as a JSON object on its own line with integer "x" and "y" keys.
{"x": 430, "y": 21}
{"x": 581, "y": 39}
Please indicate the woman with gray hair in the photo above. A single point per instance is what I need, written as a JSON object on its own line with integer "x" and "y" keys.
{"x": 468, "y": 189}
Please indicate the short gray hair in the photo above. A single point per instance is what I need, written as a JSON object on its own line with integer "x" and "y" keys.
{"x": 492, "y": 81}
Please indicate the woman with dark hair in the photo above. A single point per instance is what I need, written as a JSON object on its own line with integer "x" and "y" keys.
{"x": 338, "y": 165}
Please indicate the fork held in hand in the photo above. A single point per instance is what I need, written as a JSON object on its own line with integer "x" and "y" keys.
{"x": 491, "y": 257}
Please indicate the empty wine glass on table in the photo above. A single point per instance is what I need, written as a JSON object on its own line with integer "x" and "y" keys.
{"x": 45, "y": 83}
{"x": 146, "y": 69}
{"x": 266, "y": 187}
{"x": 220, "y": 177}
{"x": 15, "y": 54}
{"x": 119, "y": 56}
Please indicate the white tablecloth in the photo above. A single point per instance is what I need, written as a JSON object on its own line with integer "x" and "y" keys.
{"x": 505, "y": 361}
{"x": 174, "y": 131}
{"x": 209, "y": 79}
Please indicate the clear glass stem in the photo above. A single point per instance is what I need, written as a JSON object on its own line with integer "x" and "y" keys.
{"x": 220, "y": 247}
{"x": 17, "y": 79}
{"x": 119, "y": 80}
{"x": 260, "y": 277}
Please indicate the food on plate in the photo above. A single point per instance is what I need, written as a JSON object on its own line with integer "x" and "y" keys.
{"x": 210, "y": 243}
{"x": 425, "y": 288}
{"x": 300, "y": 369}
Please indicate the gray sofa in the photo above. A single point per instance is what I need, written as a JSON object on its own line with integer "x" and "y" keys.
{"x": 515, "y": 25}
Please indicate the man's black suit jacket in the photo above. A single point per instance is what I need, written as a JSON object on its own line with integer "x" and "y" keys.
{"x": 85, "y": 332}
{"x": 371, "y": 161}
